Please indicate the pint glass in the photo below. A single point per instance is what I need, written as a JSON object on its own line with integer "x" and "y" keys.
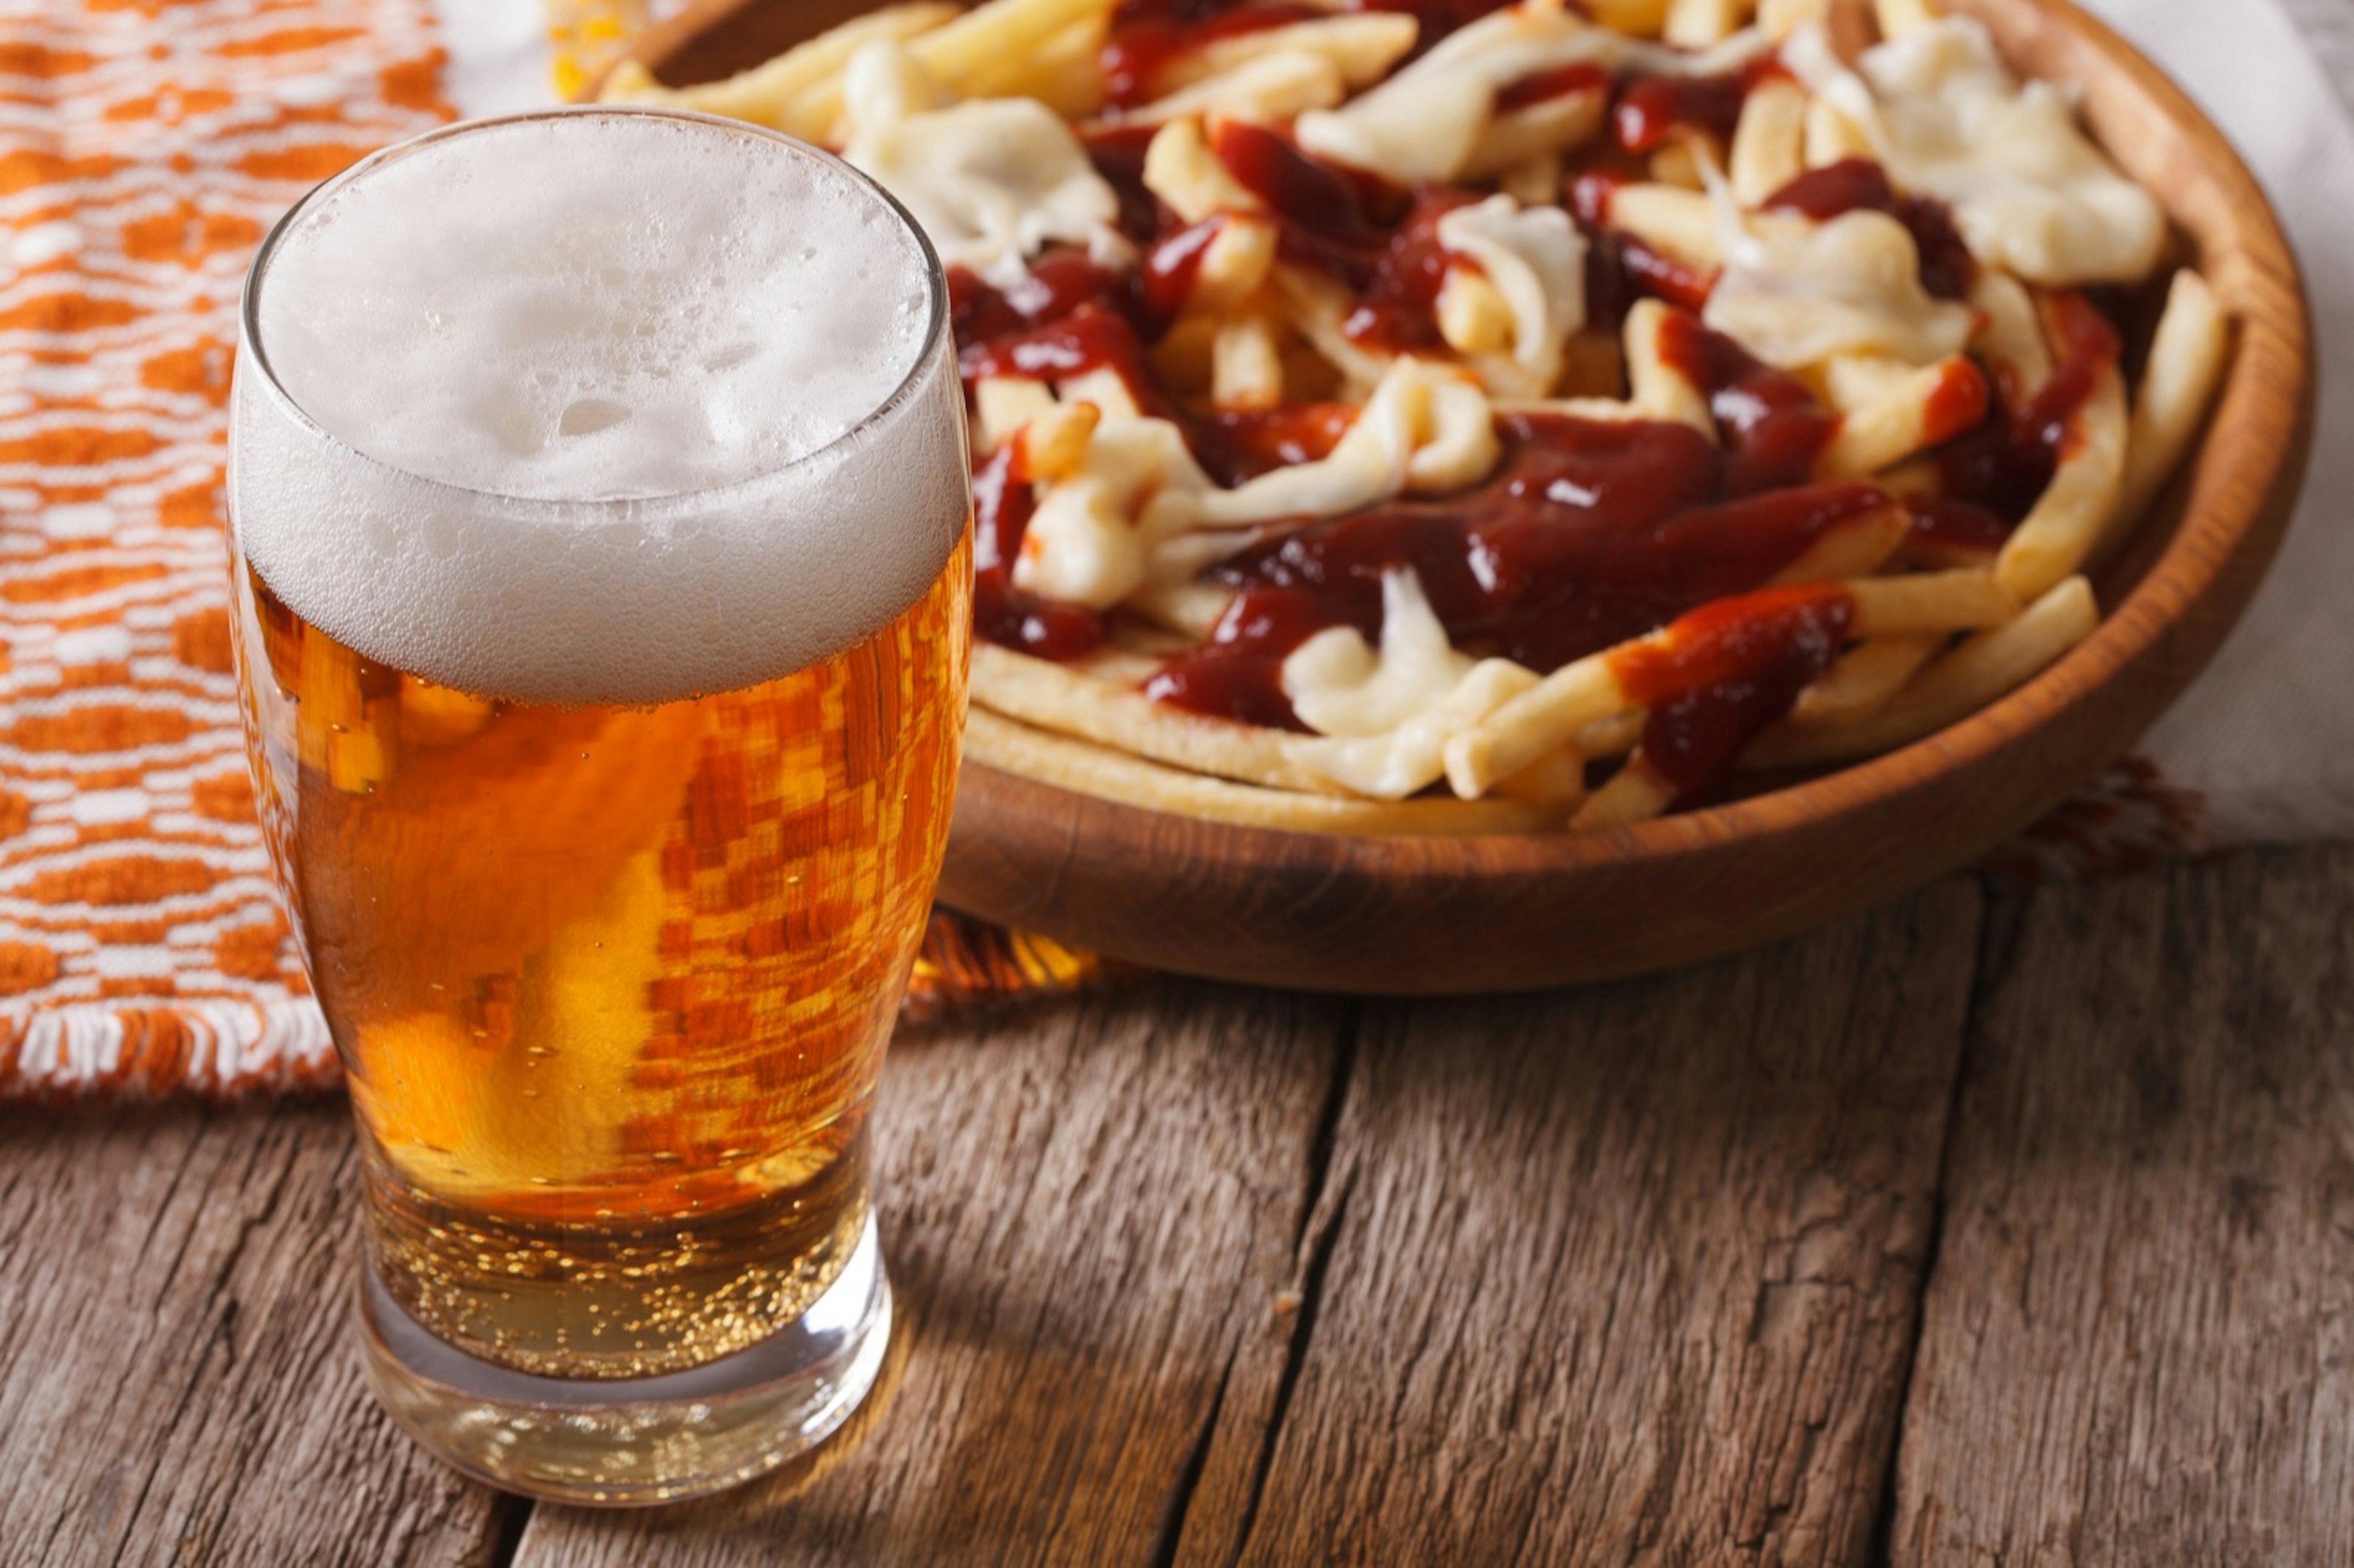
{"x": 602, "y": 578}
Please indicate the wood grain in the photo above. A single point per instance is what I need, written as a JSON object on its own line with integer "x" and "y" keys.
{"x": 1622, "y": 1276}
{"x": 177, "y": 1379}
{"x": 2138, "y": 1340}
{"x": 1089, "y": 1210}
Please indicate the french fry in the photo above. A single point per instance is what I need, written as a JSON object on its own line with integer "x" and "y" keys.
{"x": 1614, "y": 736}
{"x": 1849, "y": 382}
{"x": 1780, "y": 18}
{"x": 1246, "y": 364}
{"x": 1267, "y": 89}
{"x": 1696, "y": 24}
{"x": 1635, "y": 794}
{"x": 2186, "y": 365}
{"x": 2011, "y": 333}
{"x": 1668, "y": 218}
{"x": 1317, "y": 307}
{"x": 1865, "y": 678}
{"x": 1533, "y": 181}
{"x": 1675, "y": 165}
{"x": 799, "y": 91}
{"x": 1898, "y": 18}
{"x": 1552, "y": 125}
{"x": 1769, "y": 144}
{"x": 1661, "y": 390}
{"x": 1051, "y": 696}
{"x": 997, "y": 42}
{"x": 1063, "y": 72}
{"x": 2060, "y": 532}
{"x": 995, "y": 741}
{"x": 1832, "y": 137}
{"x": 1472, "y": 314}
{"x": 1557, "y": 779}
{"x": 1181, "y": 170}
{"x": 1359, "y": 47}
{"x": 1856, "y": 548}
{"x": 1931, "y": 407}
{"x": 1929, "y": 604}
{"x": 1638, "y": 18}
{"x": 1003, "y": 405}
{"x": 1983, "y": 669}
{"x": 1055, "y": 440}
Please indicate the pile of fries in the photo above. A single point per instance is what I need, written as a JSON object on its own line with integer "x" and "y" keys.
{"x": 1812, "y": 265}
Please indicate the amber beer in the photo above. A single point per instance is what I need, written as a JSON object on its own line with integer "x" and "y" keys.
{"x": 602, "y": 604}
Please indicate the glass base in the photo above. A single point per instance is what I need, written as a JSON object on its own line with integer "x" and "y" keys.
{"x": 628, "y": 1443}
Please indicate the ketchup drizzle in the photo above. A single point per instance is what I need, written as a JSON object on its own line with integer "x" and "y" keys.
{"x": 1008, "y": 616}
{"x": 1769, "y": 420}
{"x": 2004, "y": 466}
{"x": 1652, "y": 109}
{"x": 1146, "y": 36}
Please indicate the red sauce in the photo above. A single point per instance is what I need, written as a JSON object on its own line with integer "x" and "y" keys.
{"x": 1653, "y": 109}
{"x": 1586, "y": 535}
{"x": 1950, "y": 533}
{"x": 1621, "y": 269}
{"x": 1859, "y": 185}
{"x": 1726, "y": 672}
{"x": 1148, "y": 34}
{"x": 1172, "y": 266}
{"x": 2007, "y": 463}
{"x": 1247, "y": 442}
{"x": 1118, "y": 153}
{"x": 1957, "y": 404}
{"x": 1771, "y": 423}
{"x": 1008, "y": 616}
{"x": 1059, "y": 283}
{"x": 1546, "y": 85}
{"x": 1399, "y": 309}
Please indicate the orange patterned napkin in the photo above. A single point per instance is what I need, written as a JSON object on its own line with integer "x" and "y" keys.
{"x": 146, "y": 147}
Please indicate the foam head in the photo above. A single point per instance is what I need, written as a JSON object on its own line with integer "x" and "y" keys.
{"x": 616, "y": 406}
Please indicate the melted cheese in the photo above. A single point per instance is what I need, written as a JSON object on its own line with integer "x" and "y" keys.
{"x": 1536, "y": 259}
{"x": 2030, "y": 193}
{"x": 1137, "y": 510}
{"x": 1796, "y": 293}
{"x": 1427, "y": 121}
{"x": 991, "y": 181}
{"x": 1386, "y": 715}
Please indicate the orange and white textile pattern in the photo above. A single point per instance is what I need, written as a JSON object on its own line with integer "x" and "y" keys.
{"x": 146, "y": 147}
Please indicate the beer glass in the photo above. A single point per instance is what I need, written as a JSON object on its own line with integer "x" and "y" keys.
{"x": 602, "y": 579}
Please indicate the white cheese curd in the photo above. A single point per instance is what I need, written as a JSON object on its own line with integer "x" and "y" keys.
{"x": 1796, "y": 293}
{"x": 1426, "y": 122}
{"x": 1536, "y": 259}
{"x": 2030, "y": 193}
{"x": 993, "y": 181}
{"x": 1139, "y": 510}
{"x": 1386, "y": 715}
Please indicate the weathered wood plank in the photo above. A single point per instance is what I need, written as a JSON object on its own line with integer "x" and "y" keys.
{"x": 1622, "y": 1276}
{"x": 2138, "y": 1344}
{"x": 1089, "y": 1210}
{"x": 177, "y": 1379}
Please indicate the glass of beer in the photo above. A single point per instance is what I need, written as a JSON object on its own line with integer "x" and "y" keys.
{"x": 602, "y": 576}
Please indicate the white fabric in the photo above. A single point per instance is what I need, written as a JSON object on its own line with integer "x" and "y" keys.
{"x": 2267, "y": 735}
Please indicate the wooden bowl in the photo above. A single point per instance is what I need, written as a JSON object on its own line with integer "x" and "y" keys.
{"x": 1448, "y": 916}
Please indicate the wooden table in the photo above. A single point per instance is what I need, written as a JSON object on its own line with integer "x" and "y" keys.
{"x": 1993, "y": 1228}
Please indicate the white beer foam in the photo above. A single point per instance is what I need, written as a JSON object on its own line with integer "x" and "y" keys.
{"x": 599, "y": 374}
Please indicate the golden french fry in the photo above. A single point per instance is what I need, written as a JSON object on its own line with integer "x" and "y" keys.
{"x": 1675, "y": 165}
{"x": 1898, "y": 18}
{"x": 1984, "y": 668}
{"x": 2011, "y": 333}
{"x": 1931, "y": 603}
{"x": 1613, "y": 736}
{"x": 1317, "y": 307}
{"x": 1635, "y": 794}
{"x": 1769, "y": 146}
{"x": 799, "y": 91}
{"x": 1246, "y": 364}
{"x": 1236, "y": 264}
{"x": 2060, "y": 535}
{"x": 1832, "y": 137}
{"x": 1052, "y": 696}
{"x": 1472, "y": 314}
{"x": 996, "y": 40}
{"x": 1552, "y": 126}
{"x": 1637, "y": 19}
{"x": 1268, "y": 88}
{"x": 1856, "y": 548}
{"x": 1932, "y": 407}
{"x": 1780, "y": 18}
{"x": 1055, "y": 440}
{"x": 1063, "y": 72}
{"x": 1540, "y": 720}
{"x": 1696, "y": 24}
{"x": 1359, "y": 47}
{"x": 1849, "y": 382}
{"x": 1003, "y": 403}
{"x": 2186, "y": 365}
{"x": 1179, "y": 168}
{"x": 1866, "y": 678}
{"x": 1678, "y": 222}
{"x": 1661, "y": 390}
{"x": 1557, "y": 779}
{"x": 1191, "y": 609}
{"x": 1002, "y": 743}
